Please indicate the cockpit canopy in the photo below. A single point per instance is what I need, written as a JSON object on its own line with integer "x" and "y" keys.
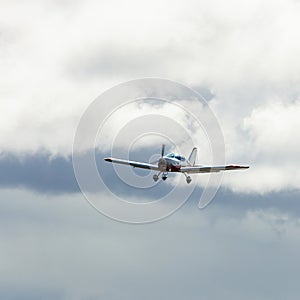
{"x": 176, "y": 156}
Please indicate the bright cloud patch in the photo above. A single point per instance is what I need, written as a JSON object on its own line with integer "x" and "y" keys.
{"x": 270, "y": 142}
{"x": 57, "y": 57}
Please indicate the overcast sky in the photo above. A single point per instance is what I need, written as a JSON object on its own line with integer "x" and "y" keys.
{"x": 56, "y": 57}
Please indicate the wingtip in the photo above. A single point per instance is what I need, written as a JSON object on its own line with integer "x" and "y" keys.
{"x": 233, "y": 167}
{"x": 244, "y": 167}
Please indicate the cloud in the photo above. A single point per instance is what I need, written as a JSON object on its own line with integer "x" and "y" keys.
{"x": 41, "y": 173}
{"x": 268, "y": 136}
{"x": 56, "y": 58}
{"x": 275, "y": 126}
{"x": 46, "y": 175}
{"x": 59, "y": 246}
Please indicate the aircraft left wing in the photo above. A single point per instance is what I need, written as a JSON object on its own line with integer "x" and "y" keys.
{"x": 134, "y": 164}
{"x": 210, "y": 169}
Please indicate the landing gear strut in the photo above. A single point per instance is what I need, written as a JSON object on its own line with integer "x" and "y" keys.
{"x": 156, "y": 176}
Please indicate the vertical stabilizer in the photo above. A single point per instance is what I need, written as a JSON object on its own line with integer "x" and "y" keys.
{"x": 192, "y": 157}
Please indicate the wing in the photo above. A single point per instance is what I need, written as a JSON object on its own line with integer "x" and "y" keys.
{"x": 210, "y": 169}
{"x": 134, "y": 164}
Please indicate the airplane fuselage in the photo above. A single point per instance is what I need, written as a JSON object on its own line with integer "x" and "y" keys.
{"x": 172, "y": 163}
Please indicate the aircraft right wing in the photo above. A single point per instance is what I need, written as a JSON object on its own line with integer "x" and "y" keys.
{"x": 210, "y": 169}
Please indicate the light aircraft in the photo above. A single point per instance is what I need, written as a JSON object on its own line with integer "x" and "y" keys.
{"x": 175, "y": 163}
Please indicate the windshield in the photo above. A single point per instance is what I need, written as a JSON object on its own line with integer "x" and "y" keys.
{"x": 180, "y": 157}
{"x": 172, "y": 155}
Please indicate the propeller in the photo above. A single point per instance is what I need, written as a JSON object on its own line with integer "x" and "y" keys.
{"x": 162, "y": 164}
{"x": 163, "y": 146}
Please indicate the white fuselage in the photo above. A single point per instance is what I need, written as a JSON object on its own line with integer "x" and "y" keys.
{"x": 174, "y": 162}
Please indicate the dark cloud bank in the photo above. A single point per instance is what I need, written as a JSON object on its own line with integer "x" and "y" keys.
{"x": 44, "y": 174}
{"x": 38, "y": 172}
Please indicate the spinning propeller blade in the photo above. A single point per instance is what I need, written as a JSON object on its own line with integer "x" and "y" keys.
{"x": 163, "y": 150}
{"x": 162, "y": 155}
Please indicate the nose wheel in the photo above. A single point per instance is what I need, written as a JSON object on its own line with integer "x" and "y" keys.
{"x": 164, "y": 176}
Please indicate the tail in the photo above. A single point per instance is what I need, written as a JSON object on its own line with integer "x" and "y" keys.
{"x": 192, "y": 157}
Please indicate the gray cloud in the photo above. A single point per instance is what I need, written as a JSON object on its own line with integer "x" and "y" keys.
{"x": 56, "y": 58}
{"x": 38, "y": 172}
{"x": 44, "y": 174}
{"x": 27, "y": 293}
{"x": 59, "y": 246}
{"x": 113, "y": 60}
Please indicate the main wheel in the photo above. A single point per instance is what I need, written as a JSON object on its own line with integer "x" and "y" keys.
{"x": 164, "y": 177}
{"x": 155, "y": 177}
{"x": 188, "y": 179}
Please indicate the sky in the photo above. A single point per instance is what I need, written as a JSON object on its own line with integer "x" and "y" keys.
{"x": 57, "y": 57}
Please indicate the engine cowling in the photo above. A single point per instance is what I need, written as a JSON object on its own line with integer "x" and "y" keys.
{"x": 162, "y": 164}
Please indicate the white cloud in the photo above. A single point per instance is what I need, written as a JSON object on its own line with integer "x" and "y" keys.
{"x": 275, "y": 126}
{"x": 56, "y": 58}
{"x": 269, "y": 140}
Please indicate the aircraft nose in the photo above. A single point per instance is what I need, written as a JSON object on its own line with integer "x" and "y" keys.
{"x": 162, "y": 164}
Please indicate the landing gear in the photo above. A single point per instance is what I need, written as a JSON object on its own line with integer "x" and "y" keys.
{"x": 155, "y": 177}
{"x": 163, "y": 177}
{"x": 188, "y": 178}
